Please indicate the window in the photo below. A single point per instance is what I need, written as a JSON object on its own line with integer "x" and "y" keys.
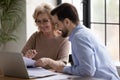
{"x": 105, "y": 21}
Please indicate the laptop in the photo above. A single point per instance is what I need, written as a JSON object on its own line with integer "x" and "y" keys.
{"x": 13, "y": 65}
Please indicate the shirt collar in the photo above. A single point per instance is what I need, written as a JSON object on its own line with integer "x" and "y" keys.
{"x": 79, "y": 26}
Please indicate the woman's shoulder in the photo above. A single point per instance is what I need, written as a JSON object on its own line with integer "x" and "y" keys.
{"x": 61, "y": 39}
{"x": 36, "y": 33}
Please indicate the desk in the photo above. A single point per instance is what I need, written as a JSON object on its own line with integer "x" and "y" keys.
{"x": 56, "y": 77}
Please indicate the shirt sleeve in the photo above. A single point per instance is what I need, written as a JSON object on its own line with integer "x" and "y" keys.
{"x": 64, "y": 51}
{"x": 83, "y": 57}
{"x": 30, "y": 44}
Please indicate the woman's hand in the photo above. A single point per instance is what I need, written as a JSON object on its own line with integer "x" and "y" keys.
{"x": 42, "y": 62}
{"x": 55, "y": 65}
{"x": 30, "y": 53}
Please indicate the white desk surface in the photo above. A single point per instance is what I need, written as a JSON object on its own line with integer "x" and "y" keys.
{"x": 55, "y": 77}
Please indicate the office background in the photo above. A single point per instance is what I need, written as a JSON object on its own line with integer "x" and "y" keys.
{"x": 102, "y": 16}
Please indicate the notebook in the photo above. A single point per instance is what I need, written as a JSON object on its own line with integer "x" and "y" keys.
{"x": 13, "y": 65}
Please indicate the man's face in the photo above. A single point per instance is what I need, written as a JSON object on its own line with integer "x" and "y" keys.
{"x": 60, "y": 26}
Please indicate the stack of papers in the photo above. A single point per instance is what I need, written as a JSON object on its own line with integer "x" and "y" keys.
{"x": 29, "y": 62}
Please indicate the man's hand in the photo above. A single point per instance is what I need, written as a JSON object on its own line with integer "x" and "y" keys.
{"x": 30, "y": 53}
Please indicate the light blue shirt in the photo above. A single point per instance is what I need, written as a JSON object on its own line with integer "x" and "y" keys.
{"x": 90, "y": 57}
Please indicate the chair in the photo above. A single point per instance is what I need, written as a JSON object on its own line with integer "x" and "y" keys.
{"x": 118, "y": 69}
{"x": 70, "y": 59}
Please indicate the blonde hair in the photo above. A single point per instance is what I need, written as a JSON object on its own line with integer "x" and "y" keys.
{"x": 43, "y": 8}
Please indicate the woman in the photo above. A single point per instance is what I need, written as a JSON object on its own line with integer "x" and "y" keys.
{"x": 46, "y": 46}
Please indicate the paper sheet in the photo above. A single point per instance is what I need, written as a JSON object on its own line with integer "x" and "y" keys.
{"x": 40, "y": 72}
{"x": 29, "y": 62}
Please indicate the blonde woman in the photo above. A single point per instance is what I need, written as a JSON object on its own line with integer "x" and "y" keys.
{"x": 46, "y": 45}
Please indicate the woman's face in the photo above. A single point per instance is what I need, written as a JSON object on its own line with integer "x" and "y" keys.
{"x": 44, "y": 23}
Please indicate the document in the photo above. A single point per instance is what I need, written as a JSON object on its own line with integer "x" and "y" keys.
{"x": 40, "y": 72}
{"x": 29, "y": 62}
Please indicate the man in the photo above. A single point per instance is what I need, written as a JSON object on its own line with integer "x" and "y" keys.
{"x": 89, "y": 55}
